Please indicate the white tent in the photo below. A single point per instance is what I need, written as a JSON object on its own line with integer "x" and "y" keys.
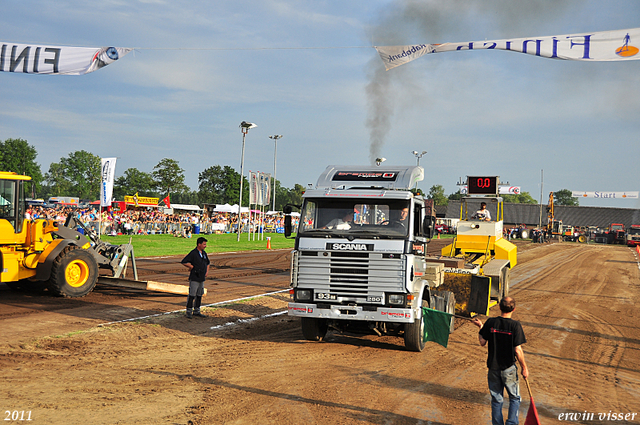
{"x": 225, "y": 208}
{"x": 185, "y": 207}
{"x": 230, "y": 208}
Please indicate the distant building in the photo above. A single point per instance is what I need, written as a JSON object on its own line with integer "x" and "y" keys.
{"x": 530, "y": 214}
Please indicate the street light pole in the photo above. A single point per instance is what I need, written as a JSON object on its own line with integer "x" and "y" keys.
{"x": 244, "y": 126}
{"x": 418, "y": 156}
{"x": 275, "y": 138}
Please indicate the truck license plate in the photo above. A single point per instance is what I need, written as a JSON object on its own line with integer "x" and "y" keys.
{"x": 324, "y": 296}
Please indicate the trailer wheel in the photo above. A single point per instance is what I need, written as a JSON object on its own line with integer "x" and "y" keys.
{"x": 314, "y": 329}
{"x": 450, "y": 307}
{"x": 414, "y": 335}
{"x": 74, "y": 273}
{"x": 505, "y": 277}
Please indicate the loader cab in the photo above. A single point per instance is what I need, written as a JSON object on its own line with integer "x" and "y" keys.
{"x": 12, "y": 203}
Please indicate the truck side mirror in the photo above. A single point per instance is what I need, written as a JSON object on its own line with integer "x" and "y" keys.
{"x": 287, "y": 220}
{"x": 429, "y": 226}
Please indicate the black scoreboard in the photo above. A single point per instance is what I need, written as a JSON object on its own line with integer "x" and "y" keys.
{"x": 482, "y": 185}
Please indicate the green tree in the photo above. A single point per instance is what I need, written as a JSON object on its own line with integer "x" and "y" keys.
{"x": 437, "y": 194}
{"x": 221, "y": 185}
{"x": 169, "y": 177}
{"x": 19, "y": 156}
{"x": 76, "y": 175}
{"x": 292, "y": 196}
{"x": 563, "y": 197}
{"x": 522, "y": 198}
{"x": 134, "y": 181}
{"x": 456, "y": 196}
{"x": 189, "y": 197}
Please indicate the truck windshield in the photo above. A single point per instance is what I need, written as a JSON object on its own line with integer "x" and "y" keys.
{"x": 634, "y": 231}
{"x": 326, "y": 217}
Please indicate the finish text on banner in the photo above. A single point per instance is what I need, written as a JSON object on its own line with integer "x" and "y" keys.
{"x": 62, "y": 60}
{"x": 594, "y": 46}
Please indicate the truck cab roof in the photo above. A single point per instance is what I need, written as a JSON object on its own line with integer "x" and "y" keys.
{"x": 370, "y": 177}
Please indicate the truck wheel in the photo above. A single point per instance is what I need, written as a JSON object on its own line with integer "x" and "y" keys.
{"x": 74, "y": 273}
{"x": 505, "y": 277}
{"x": 314, "y": 329}
{"x": 414, "y": 335}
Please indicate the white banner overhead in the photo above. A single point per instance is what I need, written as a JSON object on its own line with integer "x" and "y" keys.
{"x": 62, "y": 60}
{"x": 605, "y": 195}
{"x": 108, "y": 176}
{"x": 594, "y": 46}
{"x": 502, "y": 190}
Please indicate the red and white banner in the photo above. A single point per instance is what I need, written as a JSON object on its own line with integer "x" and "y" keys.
{"x": 594, "y": 46}
{"x": 502, "y": 190}
{"x": 259, "y": 188}
{"x": 62, "y": 60}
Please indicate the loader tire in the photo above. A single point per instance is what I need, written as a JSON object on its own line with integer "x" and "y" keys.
{"x": 74, "y": 273}
{"x": 314, "y": 329}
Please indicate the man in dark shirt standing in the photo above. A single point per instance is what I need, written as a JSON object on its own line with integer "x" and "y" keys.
{"x": 505, "y": 337}
{"x": 197, "y": 262}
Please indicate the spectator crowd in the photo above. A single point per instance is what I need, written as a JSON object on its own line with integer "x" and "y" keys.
{"x": 182, "y": 224}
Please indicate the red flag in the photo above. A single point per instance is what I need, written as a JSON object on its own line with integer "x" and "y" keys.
{"x": 166, "y": 202}
{"x": 532, "y": 414}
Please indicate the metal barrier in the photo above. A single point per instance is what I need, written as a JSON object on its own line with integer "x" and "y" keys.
{"x": 160, "y": 227}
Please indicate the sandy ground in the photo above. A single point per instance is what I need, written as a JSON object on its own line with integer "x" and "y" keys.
{"x": 247, "y": 363}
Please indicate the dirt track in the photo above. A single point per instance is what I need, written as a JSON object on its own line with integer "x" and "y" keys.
{"x": 577, "y": 305}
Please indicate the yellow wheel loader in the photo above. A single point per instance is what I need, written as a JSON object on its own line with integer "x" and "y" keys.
{"x": 33, "y": 252}
{"x": 38, "y": 254}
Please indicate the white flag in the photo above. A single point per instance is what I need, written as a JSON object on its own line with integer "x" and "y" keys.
{"x": 35, "y": 59}
{"x": 108, "y": 176}
{"x": 594, "y": 46}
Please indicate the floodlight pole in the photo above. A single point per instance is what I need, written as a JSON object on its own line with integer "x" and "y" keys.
{"x": 418, "y": 156}
{"x": 244, "y": 126}
{"x": 275, "y": 138}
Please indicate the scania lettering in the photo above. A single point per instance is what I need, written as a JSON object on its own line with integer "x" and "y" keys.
{"x": 359, "y": 259}
{"x": 348, "y": 247}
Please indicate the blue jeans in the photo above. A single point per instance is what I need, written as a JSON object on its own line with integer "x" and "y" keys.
{"x": 498, "y": 381}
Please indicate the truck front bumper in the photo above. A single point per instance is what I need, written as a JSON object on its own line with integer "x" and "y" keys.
{"x": 342, "y": 312}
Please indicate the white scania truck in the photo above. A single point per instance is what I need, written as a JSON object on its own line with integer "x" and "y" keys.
{"x": 359, "y": 259}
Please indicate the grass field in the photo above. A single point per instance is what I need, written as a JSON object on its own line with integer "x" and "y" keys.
{"x": 159, "y": 245}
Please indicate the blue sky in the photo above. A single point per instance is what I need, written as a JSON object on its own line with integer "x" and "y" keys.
{"x": 301, "y": 69}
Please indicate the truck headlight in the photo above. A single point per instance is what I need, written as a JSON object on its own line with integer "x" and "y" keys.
{"x": 396, "y": 299}
{"x": 303, "y": 294}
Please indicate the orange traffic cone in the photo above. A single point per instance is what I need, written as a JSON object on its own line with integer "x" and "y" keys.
{"x": 268, "y": 243}
{"x": 438, "y": 235}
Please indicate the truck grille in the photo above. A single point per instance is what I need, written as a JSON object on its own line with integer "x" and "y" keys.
{"x": 350, "y": 274}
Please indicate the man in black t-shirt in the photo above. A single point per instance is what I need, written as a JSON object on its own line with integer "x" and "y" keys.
{"x": 505, "y": 337}
{"x": 197, "y": 261}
